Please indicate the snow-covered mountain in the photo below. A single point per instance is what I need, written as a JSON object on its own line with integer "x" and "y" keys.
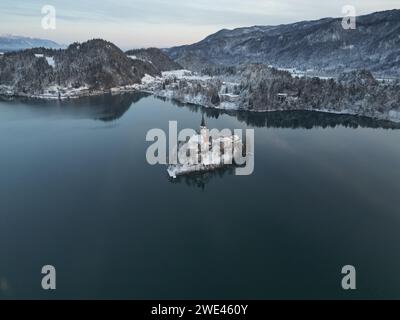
{"x": 156, "y": 57}
{"x": 83, "y": 68}
{"x": 322, "y": 46}
{"x": 15, "y": 43}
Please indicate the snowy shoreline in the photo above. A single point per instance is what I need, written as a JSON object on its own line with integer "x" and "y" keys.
{"x": 394, "y": 118}
{"x": 150, "y": 85}
{"x": 154, "y": 86}
{"x": 67, "y": 93}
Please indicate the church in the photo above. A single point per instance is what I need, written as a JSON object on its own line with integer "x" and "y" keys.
{"x": 205, "y": 152}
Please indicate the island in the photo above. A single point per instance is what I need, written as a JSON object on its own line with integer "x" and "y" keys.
{"x": 202, "y": 153}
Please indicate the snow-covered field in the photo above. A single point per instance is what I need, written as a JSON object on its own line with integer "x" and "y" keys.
{"x": 184, "y": 75}
{"x": 301, "y": 73}
{"x": 156, "y": 86}
{"x": 50, "y": 61}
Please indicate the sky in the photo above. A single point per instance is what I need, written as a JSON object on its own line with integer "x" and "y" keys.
{"x": 160, "y": 23}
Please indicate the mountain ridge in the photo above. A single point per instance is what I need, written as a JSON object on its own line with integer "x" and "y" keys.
{"x": 156, "y": 57}
{"x": 9, "y": 42}
{"x": 322, "y": 45}
{"x": 84, "y": 68}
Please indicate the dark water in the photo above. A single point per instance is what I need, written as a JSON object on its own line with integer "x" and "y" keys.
{"x": 76, "y": 192}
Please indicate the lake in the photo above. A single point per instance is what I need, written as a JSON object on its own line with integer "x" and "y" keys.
{"x": 76, "y": 192}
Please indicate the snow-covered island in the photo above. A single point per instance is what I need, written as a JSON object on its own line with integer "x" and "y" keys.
{"x": 202, "y": 153}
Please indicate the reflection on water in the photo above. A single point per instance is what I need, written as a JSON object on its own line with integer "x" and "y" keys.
{"x": 109, "y": 107}
{"x": 200, "y": 180}
{"x": 294, "y": 119}
{"x": 80, "y": 195}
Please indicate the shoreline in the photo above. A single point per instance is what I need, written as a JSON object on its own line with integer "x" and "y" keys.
{"x": 137, "y": 88}
{"x": 72, "y": 94}
{"x": 321, "y": 110}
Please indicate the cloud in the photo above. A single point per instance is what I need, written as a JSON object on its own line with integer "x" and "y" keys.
{"x": 173, "y": 19}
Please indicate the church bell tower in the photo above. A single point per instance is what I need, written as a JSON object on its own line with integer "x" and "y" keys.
{"x": 204, "y": 132}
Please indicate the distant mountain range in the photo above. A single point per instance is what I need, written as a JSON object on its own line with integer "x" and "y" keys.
{"x": 236, "y": 69}
{"x": 15, "y": 43}
{"x": 321, "y": 46}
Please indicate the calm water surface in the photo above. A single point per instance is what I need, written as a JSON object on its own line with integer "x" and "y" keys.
{"x": 76, "y": 192}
